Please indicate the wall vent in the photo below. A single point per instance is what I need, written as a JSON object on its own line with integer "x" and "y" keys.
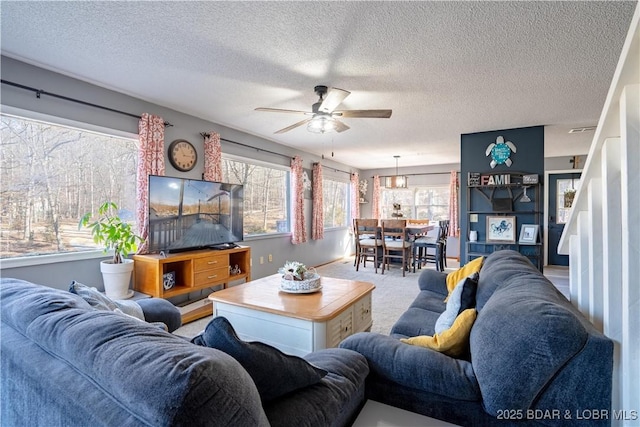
{"x": 583, "y": 129}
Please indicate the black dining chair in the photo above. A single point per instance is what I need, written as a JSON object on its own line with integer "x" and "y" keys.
{"x": 430, "y": 248}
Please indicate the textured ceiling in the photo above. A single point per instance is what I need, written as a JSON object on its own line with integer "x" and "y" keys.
{"x": 444, "y": 68}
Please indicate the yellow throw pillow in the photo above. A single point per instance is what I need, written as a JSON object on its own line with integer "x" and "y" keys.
{"x": 466, "y": 270}
{"x": 454, "y": 341}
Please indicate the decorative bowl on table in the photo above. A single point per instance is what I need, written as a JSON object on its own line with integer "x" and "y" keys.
{"x": 298, "y": 279}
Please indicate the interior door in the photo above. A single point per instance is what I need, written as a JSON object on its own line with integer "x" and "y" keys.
{"x": 559, "y": 208}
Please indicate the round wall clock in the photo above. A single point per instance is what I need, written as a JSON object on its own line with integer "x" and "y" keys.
{"x": 182, "y": 155}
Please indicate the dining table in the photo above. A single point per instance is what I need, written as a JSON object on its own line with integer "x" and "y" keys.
{"x": 412, "y": 231}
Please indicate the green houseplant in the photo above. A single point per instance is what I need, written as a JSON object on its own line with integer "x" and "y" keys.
{"x": 114, "y": 234}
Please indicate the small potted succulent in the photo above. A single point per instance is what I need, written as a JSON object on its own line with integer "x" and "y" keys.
{"x": 117, "y": 235}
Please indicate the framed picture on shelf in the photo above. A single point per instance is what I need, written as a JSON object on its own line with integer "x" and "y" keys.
{"x": 501, "y": 229}
{"x": 529, "y": 234}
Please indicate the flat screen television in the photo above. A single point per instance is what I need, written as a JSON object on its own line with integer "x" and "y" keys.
{"x": 187, "y": 214}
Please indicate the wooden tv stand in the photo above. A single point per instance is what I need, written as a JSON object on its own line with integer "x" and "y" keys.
{"x": 194, "y": 271}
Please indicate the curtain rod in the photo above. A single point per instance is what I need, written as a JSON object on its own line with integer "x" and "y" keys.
{"x": 334, "y": 169}
{"x": 206, "y": 134}
{"x": 40, "y": 92}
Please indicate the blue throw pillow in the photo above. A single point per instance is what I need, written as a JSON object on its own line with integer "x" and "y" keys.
{"x": 273, "y": 372}
{"x": 462, "y": 297}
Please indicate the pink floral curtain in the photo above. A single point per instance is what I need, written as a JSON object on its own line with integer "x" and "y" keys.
{"x": 150, "y": 162}
{"x": 212, "y": 157}
{"x": 355, "y": 196}
{"x": 454, "y": 220}
{"x": 299, "y": 232}
{"x": 317, "y": 226}
{"x": 375, "y": 199}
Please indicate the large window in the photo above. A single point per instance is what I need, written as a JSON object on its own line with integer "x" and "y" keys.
{"x": 266, "y": 207}
{"x": 335, "y": 198}
{"x": 424, "y": 202}
{"x": 51, "y": 175}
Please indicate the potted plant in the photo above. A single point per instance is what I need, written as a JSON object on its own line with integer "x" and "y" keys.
{"x": 114, "y": 234}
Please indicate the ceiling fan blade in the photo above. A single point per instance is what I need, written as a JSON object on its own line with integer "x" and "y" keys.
{"x": 293, "y": 126}
{"x": 333, "y": 98}
{"x": 376, "y": 114}
{"x": 340, "y": 126}
{"x": 280, "y": 110}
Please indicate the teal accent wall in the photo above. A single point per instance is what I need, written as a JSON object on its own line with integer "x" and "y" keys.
{"x": 528, "y": 158}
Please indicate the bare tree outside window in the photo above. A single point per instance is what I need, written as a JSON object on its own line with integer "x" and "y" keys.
{"x": 335, "y": 198}
{"x": 50, "y": 176}
{"x": 266, "y": 204}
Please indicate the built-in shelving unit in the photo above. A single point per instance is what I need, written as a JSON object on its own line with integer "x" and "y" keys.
{"x": 511, "y": 195}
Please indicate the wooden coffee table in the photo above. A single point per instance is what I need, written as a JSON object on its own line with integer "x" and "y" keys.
{"x": 296, "y": 323}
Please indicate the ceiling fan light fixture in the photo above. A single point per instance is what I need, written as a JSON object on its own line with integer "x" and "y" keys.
{"x": 322, "y": 124}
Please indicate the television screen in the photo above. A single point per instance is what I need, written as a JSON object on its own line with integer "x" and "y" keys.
{"x": 189, "y": 214}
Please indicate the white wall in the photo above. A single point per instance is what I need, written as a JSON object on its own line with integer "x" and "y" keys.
{"x": 602, "y": 237}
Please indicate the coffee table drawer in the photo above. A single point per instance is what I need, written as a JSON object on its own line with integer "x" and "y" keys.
{"x": 340, "y": 327}
{"x": 362, "y": 320}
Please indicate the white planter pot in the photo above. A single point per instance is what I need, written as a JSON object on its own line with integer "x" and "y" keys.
{"x": 473, "y": 236}
{"x": 116, "y": 278}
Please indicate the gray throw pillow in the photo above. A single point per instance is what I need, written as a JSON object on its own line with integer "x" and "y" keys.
{"x": 100, "y": 301}
{"x": 461, "y": 298}
{"x": 273, "y": 372}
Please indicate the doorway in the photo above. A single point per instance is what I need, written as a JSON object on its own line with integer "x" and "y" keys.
{"x": 560, "y": 200}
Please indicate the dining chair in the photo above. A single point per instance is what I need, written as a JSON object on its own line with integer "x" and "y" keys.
{"x": 430, "y": 248}
{"x": 394, "y": 240}
{"x": 367, "y": 242}
{"x": 445, "y": 234}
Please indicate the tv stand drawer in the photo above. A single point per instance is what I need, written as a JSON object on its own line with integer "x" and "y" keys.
{"x": 211, "y": 277}
{"x": 209, "y": 262}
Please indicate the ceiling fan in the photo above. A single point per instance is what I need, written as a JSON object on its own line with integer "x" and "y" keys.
{"x": 324, "y": 116}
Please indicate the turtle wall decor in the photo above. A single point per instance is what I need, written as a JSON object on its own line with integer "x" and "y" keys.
{"x": 500, "y": 152}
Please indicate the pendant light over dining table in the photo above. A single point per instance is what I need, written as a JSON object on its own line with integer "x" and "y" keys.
{"x": 396, "y": 181}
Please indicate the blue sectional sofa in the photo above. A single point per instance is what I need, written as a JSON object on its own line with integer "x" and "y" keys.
{"x": 533, "y": 358}
{"x": 65, "y": 363}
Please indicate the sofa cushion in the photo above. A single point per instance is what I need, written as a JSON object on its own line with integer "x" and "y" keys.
{"x": 415, "y": 321}
{"x": 498, "y": 270}
{"x": 118, "y": 371}
{"x": 454, "y": 341}
{"x": 522, "y": 338}
{"x": 461, "y": 298}
{"x": 331, "y": 401}
{"x": 466, "y": 270}
{"x": 273, "y": 372}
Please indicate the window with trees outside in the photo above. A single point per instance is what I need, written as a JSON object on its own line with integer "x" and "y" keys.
{"x": 424, "y": 202}
{"x": 51, "y": 175}
{"x": 266, "y": 195}
{"x": 335, "y": 198}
